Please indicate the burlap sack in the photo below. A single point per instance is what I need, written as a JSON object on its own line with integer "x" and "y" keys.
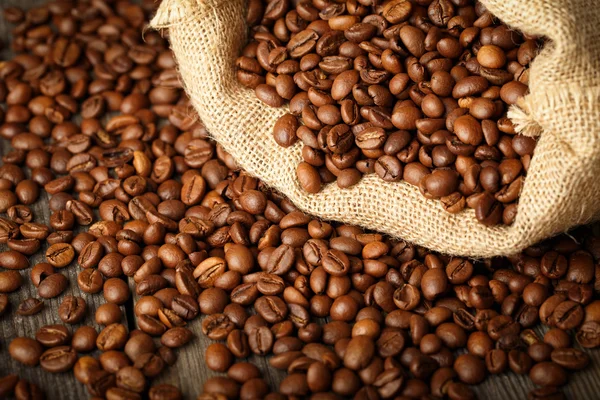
{"x": 562, "y": 188}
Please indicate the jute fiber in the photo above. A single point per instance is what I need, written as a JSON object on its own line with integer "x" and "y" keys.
{"x": 562, "y": 188}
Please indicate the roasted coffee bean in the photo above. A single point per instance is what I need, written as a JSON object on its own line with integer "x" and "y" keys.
{"x": 72, "y": 309}
{"x": 52, "y": 286}
{"x": 10, "y": 281}
{"x": 548, "y": 374}
{"x": 112, "y": 337}
{"x": 30, "y": 306}
{"x": 25, "y": 350}
{"x": 14, "y": 260}
{"x": 53, "y": 335}
{"x": 58, "y": 359}
{"x": 164, "y": 392}
{"x": 90, "y": 280}
{"x": 60, "y": 255}
{"x": 176, "y": 337}
{"x": 150, "y": 364}
{"x": 570, "y": 358}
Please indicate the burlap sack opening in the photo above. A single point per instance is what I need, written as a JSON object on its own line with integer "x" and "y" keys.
{"x": 562, "y": 188}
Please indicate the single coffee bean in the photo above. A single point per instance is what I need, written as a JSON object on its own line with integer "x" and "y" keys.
{"x": 53, "y": 335}
{"x": 14, "y": 260}
{"x": 548, "y": 374}
{"x": 112, "y": 337}
{"x": 164, "y": 392}
{"x": 72, "y": 309}
{"x": 58, "y": 359}
{"x": 60, "y": 255}
{"x": 30, "y": 306}
{"x": 26, "y": 351}
{"x": 570, "y": 358}
{"x": 176, "y": 337}
{"x": 52, "y": 286}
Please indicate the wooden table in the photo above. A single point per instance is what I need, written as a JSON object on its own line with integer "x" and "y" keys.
{"x": 190, "y": 370}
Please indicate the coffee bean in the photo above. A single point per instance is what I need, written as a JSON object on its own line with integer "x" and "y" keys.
{"x": 548, "y": 374}
{"x": 218, "y": 357}
{"x": 26, "y": 351}
{"x": 587, "y": 337}
{"x": 131, "y": 379}
{"x": 116, "y": 291}
{"x": 52, "y": 286}
{"x": 90, "y": 280}
{"x": 72, "y": 309}
{"x": 58, "y": 359}
{"x": 570, "y": 358}
{"x": 164, "y": 392}
{"x": 176, "y": 337}
{"x": 359, "y": 352}
{"x": 10, "y": 281}
{"x": 308, "y": 177}
{"x": 469, "y": 368}
{"x": 60, "y": 255}
{"x": 112, "y": 337}
{"x": 567, "y": 315}
{"x": 13, "y": 260}
{"x": 30, "y": 306}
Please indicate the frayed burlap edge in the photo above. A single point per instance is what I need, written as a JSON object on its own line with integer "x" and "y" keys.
{"x": 563, "y": 184}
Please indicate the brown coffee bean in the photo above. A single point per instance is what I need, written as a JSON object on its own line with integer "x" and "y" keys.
{"x": 60, "y": 255}
{"x": 284, "y": 131}
{"x": 308, "y": 177}
{"x": 58, "y": 359}
{"x": 14, "y": 260}
{"x": 112, "y": 337}
{"x": 84, "y": 339}
{"x": 52, "y": 286}
{"x": 30, "y": 306}
{"x": 548, "y": 374}
{"x": 570, "y": 358}
{"x": 470, "y": 369}
{"x": 10, "y": 281}
{"x": 164, "y": 392}
{"x": 26, "y": 351}
{"x": 72, "y": 309}
{"x": 176, "y": 337}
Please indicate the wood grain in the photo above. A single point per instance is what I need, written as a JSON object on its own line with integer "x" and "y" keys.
{"x": 190, "y": 370}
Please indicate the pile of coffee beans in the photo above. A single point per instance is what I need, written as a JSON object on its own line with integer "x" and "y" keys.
{"x": 409, "y": 90}
{"x": 141, "y": 198}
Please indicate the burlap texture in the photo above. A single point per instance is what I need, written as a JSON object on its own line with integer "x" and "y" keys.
{"x": 562, "y": 188}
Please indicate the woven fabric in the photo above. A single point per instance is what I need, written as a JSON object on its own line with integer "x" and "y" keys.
{"x": 562, "y": 188}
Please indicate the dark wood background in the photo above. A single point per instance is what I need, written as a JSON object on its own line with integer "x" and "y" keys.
{"x": 190, "y": 370}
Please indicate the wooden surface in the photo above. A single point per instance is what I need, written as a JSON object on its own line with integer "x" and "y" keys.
{"x": 190, "y": 371}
